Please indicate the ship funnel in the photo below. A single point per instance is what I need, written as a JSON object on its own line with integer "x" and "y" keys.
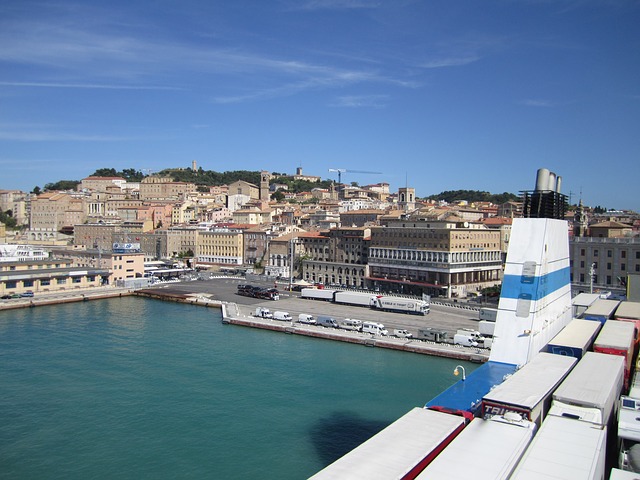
{"x": 542, "y": 179}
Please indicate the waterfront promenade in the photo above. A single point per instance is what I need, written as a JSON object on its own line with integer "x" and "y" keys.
{"x": 220, "y": 293}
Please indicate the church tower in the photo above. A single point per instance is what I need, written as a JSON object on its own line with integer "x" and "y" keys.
{"x": 264, "y": 186}
{"x": 407, "y": 198}
{"x": 580, "y": 222}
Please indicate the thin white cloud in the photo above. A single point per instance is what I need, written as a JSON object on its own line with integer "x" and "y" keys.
{"x": 361, "y": 101}
{"x": 450, "y": 62}
{"x": 98, "y": 55}
{"x": 85, "y": 85}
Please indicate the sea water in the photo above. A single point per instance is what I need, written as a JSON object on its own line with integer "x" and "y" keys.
{"x": 138, "y": 388}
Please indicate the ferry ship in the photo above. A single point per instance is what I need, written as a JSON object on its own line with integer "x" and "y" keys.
{"x": 22, "y": 253}
{"x": 532, "y": 411}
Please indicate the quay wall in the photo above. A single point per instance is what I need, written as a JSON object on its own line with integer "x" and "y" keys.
{"x": 231, "y": 315}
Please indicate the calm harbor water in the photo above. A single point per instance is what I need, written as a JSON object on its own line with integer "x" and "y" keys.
{"x": 138, "y": 388}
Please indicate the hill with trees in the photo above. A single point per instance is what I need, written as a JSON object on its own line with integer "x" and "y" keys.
{"x": 473, "y": 196}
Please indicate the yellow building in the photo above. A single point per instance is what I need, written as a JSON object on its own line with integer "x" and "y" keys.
{"x": 48, "y": 276}
{"x": 220, "y": 246}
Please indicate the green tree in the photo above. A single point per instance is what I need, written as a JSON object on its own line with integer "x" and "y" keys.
{"x": 61, "y": 185}
{"x": 7, "y": 219}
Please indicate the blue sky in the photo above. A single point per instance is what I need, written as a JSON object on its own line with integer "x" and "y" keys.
{"x": 437, "y": 95}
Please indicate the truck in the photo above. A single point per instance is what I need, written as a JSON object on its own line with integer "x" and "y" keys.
{"x": 400, "y": 304}
{"x": 283, "y": 316}
{"x": 432, "y": 335}
{"x": 263, "y": 313}
{"x": 488, "y": 314}
{"x": 351, "y": 324}
{"x": 325, "y": 321}
{"x": 591, "y": 391}
{"x": 374, "y": 328}
{"x": 564, "y": 449}
{"x": 318, "y": 294}
{"x": 528, "y": 391}
{"x": 575, "y": 339}
{"x": 486, "y": 327}
{"x": 402, "y": 333}
{"x": 581, "y": 302}
{"x": 400, "y": 450}
{"x": 629, "y": 312}
{"x": 601, "y": 310}
{"x": 618, "y": 338}
{"x": 360, "y": 299}
{"x": 465, "y": 340}
{"x": 492, "y": 447}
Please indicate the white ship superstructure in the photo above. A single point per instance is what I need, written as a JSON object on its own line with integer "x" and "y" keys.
{"x": 21, "y": 253}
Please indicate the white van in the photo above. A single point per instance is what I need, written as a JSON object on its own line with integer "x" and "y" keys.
{"x": 306, "y": 318}
{"x": 263, "y": 313}
{"x": 374, "y": 328}
{"x": 351, "y": 324}
{"x": 282, "y": 316}
{"x": 327, "y": 322}
{"x": 465, "y": 340}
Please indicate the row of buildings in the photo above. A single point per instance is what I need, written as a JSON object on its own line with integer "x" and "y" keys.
{"x": 377, "y": 240}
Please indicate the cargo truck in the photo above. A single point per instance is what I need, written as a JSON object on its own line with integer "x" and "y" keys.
{"x": 360, "y": 299}
{"x": 564, "y": 449}
{"x": 486, "y": 328}
{"x": 401, "y": 304}
{"x": 528, "y": 391}
{"x": 490, "y": 448}
{"x": 401, "y": 450}
{"x": 317, "y": 294}
{"x": 601, "y": 310}
{"x": 618, "y": 338}
{"x": 488, "y": 314}
{"x": 575, "y": 339}
{"x": 591, "y": 391}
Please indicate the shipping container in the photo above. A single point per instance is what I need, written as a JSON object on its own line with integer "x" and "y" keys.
{"x": 601, "y": 310}
{"x": 484, "y": 450}
{"x": 591, "y": 391}
{"x": 581, "y": 302}
{"x": 575, "y": 339}
{"x": 528, "y": 391}
{"x": 618, "y": 338}
{"x": 361, "y": 299}
{"x": 401, "y": 450}
{"x": 317, "y": 294}
{"x": 564, "y": 449}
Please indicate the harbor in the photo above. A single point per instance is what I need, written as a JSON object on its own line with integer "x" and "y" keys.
{"x": 218, "y": 294}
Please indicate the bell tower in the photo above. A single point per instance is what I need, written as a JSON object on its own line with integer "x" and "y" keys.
{"x": 264, "y": 186}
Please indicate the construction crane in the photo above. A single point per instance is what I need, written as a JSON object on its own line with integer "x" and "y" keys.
{"x": 344, "y": 170}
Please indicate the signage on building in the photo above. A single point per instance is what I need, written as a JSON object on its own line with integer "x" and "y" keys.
{"x": 126, "y": 247}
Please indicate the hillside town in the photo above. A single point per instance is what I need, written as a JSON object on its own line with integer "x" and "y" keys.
{"x": 110, "y": 231}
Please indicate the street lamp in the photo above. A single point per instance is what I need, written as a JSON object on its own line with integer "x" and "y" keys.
{"x": 456, "y": 372}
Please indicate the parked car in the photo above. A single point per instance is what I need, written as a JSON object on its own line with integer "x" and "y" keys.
{"x": 6, "y": 297}
{"x": 28, "y": 293}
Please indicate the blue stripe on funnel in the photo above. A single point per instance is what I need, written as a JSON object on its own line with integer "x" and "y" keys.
{"x": 535, "y": 288}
